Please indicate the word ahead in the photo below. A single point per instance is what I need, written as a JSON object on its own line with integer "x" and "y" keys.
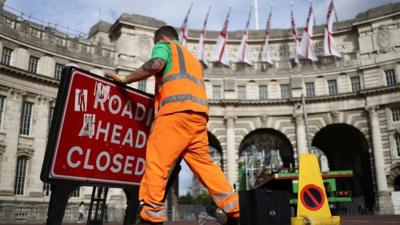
{"x": 102, "y": 132}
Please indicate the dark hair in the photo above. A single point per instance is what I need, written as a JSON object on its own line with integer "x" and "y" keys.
{"x": 167, "y": 31}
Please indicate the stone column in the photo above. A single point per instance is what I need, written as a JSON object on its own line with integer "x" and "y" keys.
{"x": 40, "y": 122}
{"x": 12, "y": 114}
{"x": 382, "y": 195}
{"x": 231, "y": 149}
{"x": 300, "y": 134}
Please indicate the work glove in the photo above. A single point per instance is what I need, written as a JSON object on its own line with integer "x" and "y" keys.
{"x": 121, "y": 79}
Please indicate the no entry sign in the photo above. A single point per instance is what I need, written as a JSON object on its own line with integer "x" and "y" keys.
{"x": 99, "y": 131}
{"x": 312, "y": 197}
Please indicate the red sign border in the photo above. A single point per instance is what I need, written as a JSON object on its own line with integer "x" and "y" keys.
{"x": 47, "y": 173}
{"x": 318, "y": 189}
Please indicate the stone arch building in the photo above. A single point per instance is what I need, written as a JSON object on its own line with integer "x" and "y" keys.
{"x": 360, "y": 90}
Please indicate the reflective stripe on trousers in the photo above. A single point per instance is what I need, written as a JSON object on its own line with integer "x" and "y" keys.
{"x": 228, "y": 202}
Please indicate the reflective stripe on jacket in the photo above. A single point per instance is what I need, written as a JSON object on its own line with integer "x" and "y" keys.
{"x": 182, "y": 88}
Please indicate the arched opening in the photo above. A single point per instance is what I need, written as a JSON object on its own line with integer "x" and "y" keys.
{"x": 397, "y": 184}
{"x": 263, "y": 151}
{"x": 190, "y": 182}
{"x": 346, "y": 148}
{"x": 215, "y": 150}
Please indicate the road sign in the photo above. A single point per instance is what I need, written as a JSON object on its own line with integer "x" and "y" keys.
{"x": 312, "y": 204}
{"x": 312, "y": 197}
{"x": 99, "y": 131}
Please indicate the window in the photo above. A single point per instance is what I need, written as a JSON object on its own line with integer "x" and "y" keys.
{"x": 61, "y": 41}
{"x": 397, "y": 142}
{"x": 10, "y": 23}
{"x": 85, "y": 47}
{"x": 332, "y": 86}
{"x": 2, "y": 100}
{"x": 46, "y": 189}
{"x": 33, "y": 64}
{"x": 284, "y": 50}
{"x": 6, "y": 56}
{"x": 353, "y": 56}
{"x": 390, "y": 77}
{"x": 310, "y": 89}
{"x": 285, "y": 91}
{"x": 76, "y": 193}
{"x": 26, "y": 118}
{"x": 241, "y": 92}
{"x": 396, "y": 113}
{"x": 142, "y": 85}
{"x": 355, "y": 84}
{"x": 327, "y": 60}
{"x": 36, "y": 32}
{"x": 107, "y": 52}
{"x": 58, "y": 71}
{"x": 263, "y": 92}
{"x": 216, "y": 91}
{"x": 19, "y": 187}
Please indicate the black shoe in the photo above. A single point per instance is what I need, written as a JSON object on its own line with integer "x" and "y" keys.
{"x": 144, "y": 222}
{"x": 232, "y": 221}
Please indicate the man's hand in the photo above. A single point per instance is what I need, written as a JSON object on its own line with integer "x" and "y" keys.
{"x": 117, "y": 78}
{"x": 151, "y": 67}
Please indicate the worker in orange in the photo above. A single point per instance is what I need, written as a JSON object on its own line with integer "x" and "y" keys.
{"x": 179, "y": 128}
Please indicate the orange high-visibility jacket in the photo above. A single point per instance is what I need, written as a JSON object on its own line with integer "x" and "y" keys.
{"x": 182, "y": 88}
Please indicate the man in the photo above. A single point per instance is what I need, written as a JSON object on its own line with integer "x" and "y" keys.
{"x": 179, "y": 128}
{"x": 81, "y": 211}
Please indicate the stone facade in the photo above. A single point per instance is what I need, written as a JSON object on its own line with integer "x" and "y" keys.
{"x": 360, "y": 90}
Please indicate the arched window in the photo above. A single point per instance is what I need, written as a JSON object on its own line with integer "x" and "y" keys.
{"x": 20, "y": 175}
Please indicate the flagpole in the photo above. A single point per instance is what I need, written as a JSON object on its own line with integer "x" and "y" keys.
{"x": 294, "y": 33}
{"x": 314, "y": 20}
{"x": 336, "y": 16}
{"x": 303, "y": 102}
{"x": 183, "y": 30}
{"x": 256, "y": 14}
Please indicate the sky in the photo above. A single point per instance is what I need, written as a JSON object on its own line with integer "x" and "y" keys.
{"x": 77, "y": 16}
{"x": 80, "y": 15}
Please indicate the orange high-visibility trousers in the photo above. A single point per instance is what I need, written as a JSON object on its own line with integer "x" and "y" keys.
{"x": 181, "y": 134}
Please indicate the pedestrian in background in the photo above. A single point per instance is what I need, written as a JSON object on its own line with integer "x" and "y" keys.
{"x": 81, "y": 212}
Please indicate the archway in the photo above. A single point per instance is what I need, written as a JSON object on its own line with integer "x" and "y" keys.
{"x": 397, "y": 183}
{"x": 190, "y": 182}
{"x": 263, "y": 150}
{"x": 215, "y": 150}
{"x": 347, "y": 149}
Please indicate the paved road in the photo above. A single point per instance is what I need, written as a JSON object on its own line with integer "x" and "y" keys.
{"x": 346, "y": 220}
{"x": 371, "y": 220}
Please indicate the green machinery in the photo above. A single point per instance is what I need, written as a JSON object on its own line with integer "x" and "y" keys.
{"x": 333, "y": 180}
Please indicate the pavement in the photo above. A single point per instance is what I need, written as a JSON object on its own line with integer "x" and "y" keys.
{"x": 346, "y": 220}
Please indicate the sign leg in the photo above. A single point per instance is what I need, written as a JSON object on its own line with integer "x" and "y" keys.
{"x": 60, "y": 192}
{"x": 132, "y": 205}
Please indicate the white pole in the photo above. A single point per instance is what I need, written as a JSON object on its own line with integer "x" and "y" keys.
{"x": 256, "y": 14}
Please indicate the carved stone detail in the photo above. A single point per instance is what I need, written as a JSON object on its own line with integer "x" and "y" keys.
{"x": 384, "y": 39}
